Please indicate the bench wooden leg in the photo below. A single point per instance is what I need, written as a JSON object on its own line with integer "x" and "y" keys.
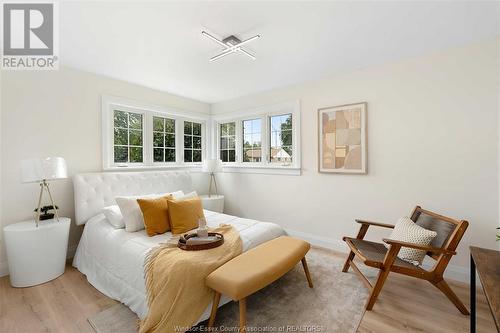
{"x": 243, "y": 314}
{"x": 306, "y": 270}
{"x": 215, "y": 305}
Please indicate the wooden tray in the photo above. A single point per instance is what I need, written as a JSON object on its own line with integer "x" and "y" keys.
{"x": 198, "y": 247}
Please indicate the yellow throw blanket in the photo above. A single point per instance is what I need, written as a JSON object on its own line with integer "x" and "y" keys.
{"x": 175, "y": 282}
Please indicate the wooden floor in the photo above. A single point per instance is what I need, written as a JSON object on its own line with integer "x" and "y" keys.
{"x": 404, "y": 305}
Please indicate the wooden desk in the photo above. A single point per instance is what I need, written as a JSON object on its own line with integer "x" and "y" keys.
{"x": 487, "y": 264}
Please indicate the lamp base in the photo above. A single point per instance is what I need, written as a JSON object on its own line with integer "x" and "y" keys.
{"x": 212, "y": 179}
{"x": 44, "y": 217}
{"x": 45, "y": 185}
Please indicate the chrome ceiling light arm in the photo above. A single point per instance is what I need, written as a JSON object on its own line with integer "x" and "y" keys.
{"x": 231, "y": 45}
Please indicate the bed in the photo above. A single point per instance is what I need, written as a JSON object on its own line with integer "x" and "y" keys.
{"x": 112, "y": 259}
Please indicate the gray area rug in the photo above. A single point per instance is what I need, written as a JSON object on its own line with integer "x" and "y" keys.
{"x": 335, "y": 304}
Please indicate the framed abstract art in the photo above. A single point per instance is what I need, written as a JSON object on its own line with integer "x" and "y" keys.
{"x": 342, "y": 138}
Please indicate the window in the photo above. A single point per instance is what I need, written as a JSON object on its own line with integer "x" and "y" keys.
{"x": 127, "y": 137}
{"x": 227, "y": 148}
{"x": 263, "y": 140}
{"x": 252, "y": 142}
{"x": 281, "y": 139}
{"x": 192, "y": 142}
{"x": 135, "y": 135}
{"x": 163, "y": 139}
{"x": 266, "y": 140}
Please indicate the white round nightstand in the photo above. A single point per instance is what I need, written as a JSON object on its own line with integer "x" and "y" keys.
{"x": 36, "y": 255}
{"x": 214, "y": 203}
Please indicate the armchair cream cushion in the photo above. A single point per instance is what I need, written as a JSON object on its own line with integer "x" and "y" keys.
{"x": 408, "y": 231}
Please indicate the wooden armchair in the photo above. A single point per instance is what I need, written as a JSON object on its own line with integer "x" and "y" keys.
{"x": 442, "y": 248}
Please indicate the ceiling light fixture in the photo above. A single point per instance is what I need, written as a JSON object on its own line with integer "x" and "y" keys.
{"x": 231, "y": 45}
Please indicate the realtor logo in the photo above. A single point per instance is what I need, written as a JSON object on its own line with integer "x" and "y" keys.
{"x": 29, "y": 36}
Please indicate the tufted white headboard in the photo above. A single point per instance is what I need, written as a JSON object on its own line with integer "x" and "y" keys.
{"x": 94, "y": 191}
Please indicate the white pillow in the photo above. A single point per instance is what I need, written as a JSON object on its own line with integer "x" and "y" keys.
{"x": 176, "y": 194}
{"x": 408, "y": 231}
{"x": 190, "y": 195}
{"x": 114, "y": 216}
{"x": 132, "y": 215}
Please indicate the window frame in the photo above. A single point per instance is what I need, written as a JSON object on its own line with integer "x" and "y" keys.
{"x": 218, "y": 147}
{"x": 264, "y": 114}
{"x": 269, "y": 134}
{"x": 241, "y": 149}
{"x": 177, "y": 121}
{"x": 203, "y": 134}
{"x": 112, "y": 148}
{"x": 110, "y": 103}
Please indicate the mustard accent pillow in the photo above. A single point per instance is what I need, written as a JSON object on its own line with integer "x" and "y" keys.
{"x": 184, "y": 214}
{"x": 155, "y": 213}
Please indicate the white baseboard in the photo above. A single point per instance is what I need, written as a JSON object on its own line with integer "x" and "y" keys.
{"x": 4, "y": 267}
{"x": 453, "y": 272}
{"x": 328, "y": 243}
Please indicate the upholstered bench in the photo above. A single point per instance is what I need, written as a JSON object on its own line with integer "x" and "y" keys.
{"x": 254, "y": 270}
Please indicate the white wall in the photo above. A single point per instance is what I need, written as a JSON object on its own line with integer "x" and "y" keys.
{"x": 432, "y": 140}
{"x": 58, "y": 113}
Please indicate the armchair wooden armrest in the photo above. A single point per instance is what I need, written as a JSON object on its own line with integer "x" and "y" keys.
{"x": 376, "y": 224}
{"x": 418, "y": 247}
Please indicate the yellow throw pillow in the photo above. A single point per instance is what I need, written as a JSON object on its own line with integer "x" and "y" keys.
{"x": 155, "y": 213}
{"x": 184, "y": 214}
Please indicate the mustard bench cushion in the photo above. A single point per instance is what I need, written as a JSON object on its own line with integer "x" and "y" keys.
{"x": 258, "y": 267}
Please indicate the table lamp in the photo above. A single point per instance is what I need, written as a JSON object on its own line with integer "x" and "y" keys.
{"x": 212, "y": 166}
{"x": 42, "y": 170}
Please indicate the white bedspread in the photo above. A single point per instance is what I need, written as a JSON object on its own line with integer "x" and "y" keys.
{"x": 112, "y": 259}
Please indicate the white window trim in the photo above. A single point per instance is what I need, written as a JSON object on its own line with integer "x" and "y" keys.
{"x": 109, "y": 103}
{"x": 264, "y": 113}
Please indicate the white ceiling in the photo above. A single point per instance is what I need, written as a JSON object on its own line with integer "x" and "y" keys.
{"x": 159, "y": 44}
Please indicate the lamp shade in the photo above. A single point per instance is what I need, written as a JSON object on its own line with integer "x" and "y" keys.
{"x": 35, "y": 170}
{"x": 212, "y": 165}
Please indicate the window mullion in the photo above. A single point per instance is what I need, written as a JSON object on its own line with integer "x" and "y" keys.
{"x": 147, "y": 138}
{"x": 179, "y": 124}
{"x": 204, "y": 138}
{"x": 128, "y": 137}
{"x": 216, "y": 140}
{"x": 265, "y": 139}
{"x": 295, "y": 139}
{"x": 239, "y": 141}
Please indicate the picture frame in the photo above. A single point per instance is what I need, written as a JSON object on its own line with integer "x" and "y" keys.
{"x": 342, "y": 142}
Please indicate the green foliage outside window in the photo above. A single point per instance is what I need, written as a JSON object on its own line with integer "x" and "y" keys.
{"x": 192, "y": 142}
{"x": 127, "y": 137}
{"x": 163, "y": 139}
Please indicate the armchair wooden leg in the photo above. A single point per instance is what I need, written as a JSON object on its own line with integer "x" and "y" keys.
{"x": 445, "y": 288}
{"x": 243, "y": 314}
{"x": 348, "y": 262}
{"x": 382, "y": 276}
{"x": 215, "y": 305}
{"x": 306, "y": 270}
{"x": 389, "y": 258}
